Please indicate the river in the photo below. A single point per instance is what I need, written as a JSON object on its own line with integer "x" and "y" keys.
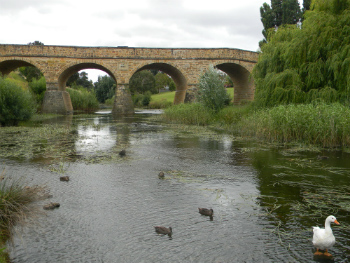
{"x": 265, "y": 198}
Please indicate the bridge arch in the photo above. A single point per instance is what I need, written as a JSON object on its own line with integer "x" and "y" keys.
{"x": 242, "y": 81}
{"x": 73, "y": 68}
{"x": 173, "y": 71}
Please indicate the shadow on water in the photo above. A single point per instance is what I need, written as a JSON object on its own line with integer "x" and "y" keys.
{"x": 265, "y": 199}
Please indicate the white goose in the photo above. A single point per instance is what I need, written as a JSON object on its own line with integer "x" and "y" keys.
{"x": 323, "y": 237}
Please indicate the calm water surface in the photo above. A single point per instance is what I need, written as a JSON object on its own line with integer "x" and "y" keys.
{"x": 265, "y": 200}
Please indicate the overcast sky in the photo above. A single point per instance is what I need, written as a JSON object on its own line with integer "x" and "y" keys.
{"x": 133, "y": 23}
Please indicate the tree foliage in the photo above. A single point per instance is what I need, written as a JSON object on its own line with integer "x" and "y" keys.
{"x": 104, "y": 88}
{"x": 141, "y": 82}
{"x": 163, "y": 80}
{"x": 211, "y": 90}
{"x": 307, "y": 64}
{"x": 80, "y": 79}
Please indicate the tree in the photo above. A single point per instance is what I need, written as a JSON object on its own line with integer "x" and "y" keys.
{"x": 281, "y": 12}
{"x": 141, "y": 82}
{"x": 104, "y": 88}
{"x": 80, "y": 79}
{"x": 163, "y": 80}
{"x": 211, "y": 91}
{"x": 307, "y": 64}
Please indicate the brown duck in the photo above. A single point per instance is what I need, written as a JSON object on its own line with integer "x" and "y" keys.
{"x": 164, "y": 230}
{"x": 206, "y": 212}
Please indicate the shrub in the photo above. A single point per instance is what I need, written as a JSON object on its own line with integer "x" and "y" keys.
{"x": 16, "y": 104}
{"x": 211, "y": 91}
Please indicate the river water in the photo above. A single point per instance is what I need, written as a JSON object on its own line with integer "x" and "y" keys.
{"x": 265, "y": 198}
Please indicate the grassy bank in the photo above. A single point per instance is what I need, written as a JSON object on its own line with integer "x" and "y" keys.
{"x": 324, "y": 125}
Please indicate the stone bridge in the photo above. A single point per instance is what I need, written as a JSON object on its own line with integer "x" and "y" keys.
{"x": 184, "y": 65}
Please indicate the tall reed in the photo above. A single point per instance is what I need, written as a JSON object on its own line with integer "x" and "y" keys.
{"x": 327, "y": 125}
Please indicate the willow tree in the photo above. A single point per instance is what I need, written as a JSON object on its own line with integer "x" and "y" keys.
{"x": 300, "y": 65}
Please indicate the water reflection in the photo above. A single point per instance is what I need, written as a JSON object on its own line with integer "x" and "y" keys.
{"x": 265, "y": 200}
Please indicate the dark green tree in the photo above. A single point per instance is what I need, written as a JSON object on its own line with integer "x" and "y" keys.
{"x": 80, "y": 79}
{"x": 104, "y": 88}
{"x": 142, "y": 81}
{"x": 281, "y": 12}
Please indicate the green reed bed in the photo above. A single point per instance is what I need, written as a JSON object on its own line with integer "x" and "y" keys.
{"x": 326, "y": 125}
{"x": 320, "y": 124}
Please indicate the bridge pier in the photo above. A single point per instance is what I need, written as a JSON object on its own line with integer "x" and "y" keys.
{"x": 123, "y": 104}
{"x": 56, "y": 101}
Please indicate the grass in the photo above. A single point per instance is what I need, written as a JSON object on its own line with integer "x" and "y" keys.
{"x": 166, "y": 99}
{"x": 15, "y": 206}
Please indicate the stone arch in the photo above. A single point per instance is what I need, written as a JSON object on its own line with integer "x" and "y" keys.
{"x": 243, "y": 82}
{"x": 73, "y": 68}
{"x": 7, "y": 66}
{"x": 173, "y": 71}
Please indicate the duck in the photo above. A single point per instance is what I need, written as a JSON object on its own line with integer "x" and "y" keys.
{"x": 206, "y": 212}
{"x": 164, "y": 230}
{"x": 161, "y": 175}
{"x": 122, "y": 153}
{"x": 323, "y": 238}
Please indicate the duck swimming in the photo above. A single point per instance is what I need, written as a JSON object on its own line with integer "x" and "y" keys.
{"x": 206, "y": 212}
{"x": 164, "y": 230}
{"x": 323, "y": 238}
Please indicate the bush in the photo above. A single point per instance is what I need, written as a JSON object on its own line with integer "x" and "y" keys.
{"x": 82, "y": 99}
{"x": 211, "y": 91}
{"x": 16, "y": 104}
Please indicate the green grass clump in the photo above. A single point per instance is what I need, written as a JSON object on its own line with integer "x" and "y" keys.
{"x": 192, "y": 113}
{"x": 15, "y": 207}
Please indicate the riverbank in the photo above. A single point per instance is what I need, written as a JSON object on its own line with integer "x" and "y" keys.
{"x": 321, "y": 125}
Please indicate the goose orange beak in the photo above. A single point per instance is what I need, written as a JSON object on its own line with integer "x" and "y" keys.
{"x": 336, "y": 222}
